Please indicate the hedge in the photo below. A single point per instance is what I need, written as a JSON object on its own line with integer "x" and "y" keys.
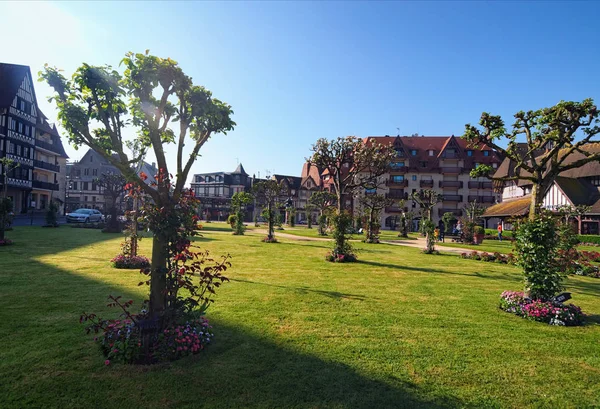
{"x": 589, "y": 238}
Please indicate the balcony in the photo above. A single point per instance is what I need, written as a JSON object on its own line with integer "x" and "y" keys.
{"x": 397, "y": 195}
{"x": 452, "y": 198}
{"x": 480, "y": 185}
{"x": 38, "y": 184}
{"x": 451, "y": 183}
{"x": 446, "y": 170}
{"x": 481, "y": 199}
{"x": 47, "y": 146}
{"x": 45, "y": 165}
{"x": 396, "y": 209}
{"x": 398, "y": 169}
{"x": 426, "y": 183}
{"x": 455, "y": 212}
{"x": 398, "y": 183}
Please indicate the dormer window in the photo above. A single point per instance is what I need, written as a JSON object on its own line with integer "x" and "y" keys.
{"x": 495, "y": 165}
{"x": 486, "y": 153}
{"x": 396, "y": 165}
{"x": 413, "y": 152}
{"x": 430, "y": 152}
{"x": 469, "y": 153}
{"x": 399, "y": 152}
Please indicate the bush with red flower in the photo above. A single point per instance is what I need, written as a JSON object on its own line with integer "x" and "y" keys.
{"x": 550, "y": 312}
{"x": 130, "y": 262}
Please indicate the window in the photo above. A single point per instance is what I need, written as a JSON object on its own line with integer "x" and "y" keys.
{"x": 26, "y": 151}
{"x": 85, "y": 198}
{"x": 469, "y": 153}
{"x": 74, "y": 186}
{"x": 93, "y": 186}
{"x": 27, "y": 130}
{"x": 19, "y": 150}
{"x": 400, "y": 152}
{"x": 476, "y": 165}
{"x": 12, "y": 124}
{"x": 413, "y": 152}
{"x": 424, "y": 164}
{"x": 397, "y": 165}
{"x": 20, "y": 127}
{"x": 22, "y": 106}
{"x": 94, "y": 172}
{"x": 371, "y": 191}
{"x": 91, "y": 158}
{"x": 94, "y": 199}
{"x": 430, "y": 152}
{"x": 10, "y": 147}
{"x": 398, "y": 178}
{"x": 86, "y": 172}
{"x": 486, "y": 153}
{"x": 494, "y": 165}
{"x": 84, "y": 186}
{"x": 414, "y": 178}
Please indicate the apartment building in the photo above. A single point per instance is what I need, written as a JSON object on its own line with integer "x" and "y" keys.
{"x": 28, "y": 139}
{"x": 441, "y": 163}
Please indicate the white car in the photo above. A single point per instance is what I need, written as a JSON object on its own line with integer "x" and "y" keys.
{"x": 84, "y": 216}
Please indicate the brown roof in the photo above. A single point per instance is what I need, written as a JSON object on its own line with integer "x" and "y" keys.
{"x": 310, "y": 171}
{"x": 423, "y": 144}
{"x": 511, "y": 207}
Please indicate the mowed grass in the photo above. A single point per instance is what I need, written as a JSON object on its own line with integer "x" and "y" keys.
{"x": 489, "y": 246}
{"x": 399, "y": 329}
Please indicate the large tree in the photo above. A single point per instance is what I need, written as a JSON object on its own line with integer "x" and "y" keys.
{"x": 551, "y": 134}
{"x": 239, "y": 201}
{"x": 153, "y": 97}
{"x": 372, "y": 206}
{"x": 113, "y": 186}
{"x": 427, "y": 199}
{"x": 351, "y": 164}
{"x": 269, "y": 194}
{"x": 323, "y": 201}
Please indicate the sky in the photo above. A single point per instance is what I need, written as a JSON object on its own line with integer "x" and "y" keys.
{"x": 298, "y": 71}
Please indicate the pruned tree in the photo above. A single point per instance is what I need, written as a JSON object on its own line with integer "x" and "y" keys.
{"x": 323, "y": 201}
{"x": 372, "y": 206}
{"x": 6, "y": 205}
{"x": 239, "y": 201}
{"x": 309, "y": 209}
{"x": 427, "y": 199}
{"x": 447, "y": 218}
{"x": 268, "y": 194}
{"x": 551, "y": 134}
{"x": 351, "y": 164}
{"x": 113, "y": 186}
{"x": 160, "y": 102}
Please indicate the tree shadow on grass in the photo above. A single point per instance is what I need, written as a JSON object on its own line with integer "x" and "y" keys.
{"x": 306, "y": 290}
{"x": 244, "y": 367}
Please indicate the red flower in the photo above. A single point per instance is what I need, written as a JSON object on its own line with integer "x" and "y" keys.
{"x": 107, "y": 362}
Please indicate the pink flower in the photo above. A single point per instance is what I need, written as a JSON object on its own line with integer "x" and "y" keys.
{"x": 107, "y": 362}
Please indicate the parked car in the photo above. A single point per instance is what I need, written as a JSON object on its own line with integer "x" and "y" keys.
{"x": 84, "y": 216}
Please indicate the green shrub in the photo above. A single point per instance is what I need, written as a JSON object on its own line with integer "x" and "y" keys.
{"x": 231, "y": 220}
{"x": 589, "y": 238}
{"x": 537, "y": 244}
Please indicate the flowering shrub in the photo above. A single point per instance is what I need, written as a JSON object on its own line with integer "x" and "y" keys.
{"x": 591, "y": 255}
{"x": 268, "y": 239}
{"x": 550, "y": 312}
{"x": 340, "y": 258}
{"x": 495, "y": 257}
{"x": 128, "y": 341}
{"x": 124, "y": 261}
{"x": 6, "y": 242}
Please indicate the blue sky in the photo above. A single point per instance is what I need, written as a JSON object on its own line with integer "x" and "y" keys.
{"x": 298, "y": 71}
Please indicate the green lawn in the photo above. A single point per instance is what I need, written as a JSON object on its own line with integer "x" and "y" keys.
{"x": 397, "y": 329}
{"x": 306, "y": 232}
{"x": 490, "y": 246}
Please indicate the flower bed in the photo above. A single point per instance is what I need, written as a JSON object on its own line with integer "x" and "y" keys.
{"x": 495, "y": 257}
{"x": 340, "y": 258}
{"x": 130, "y": 262}
{"x": 5, "y": 242}
{"x": 591, "y": 255}
{"x": 122, "y": 341}
{"x": 552, "y": 313}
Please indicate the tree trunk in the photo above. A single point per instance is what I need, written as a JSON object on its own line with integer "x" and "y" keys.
{"x": 158, "y": 277}
{"x": 271, "y": 215}
{"x": 537, "y": 199}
